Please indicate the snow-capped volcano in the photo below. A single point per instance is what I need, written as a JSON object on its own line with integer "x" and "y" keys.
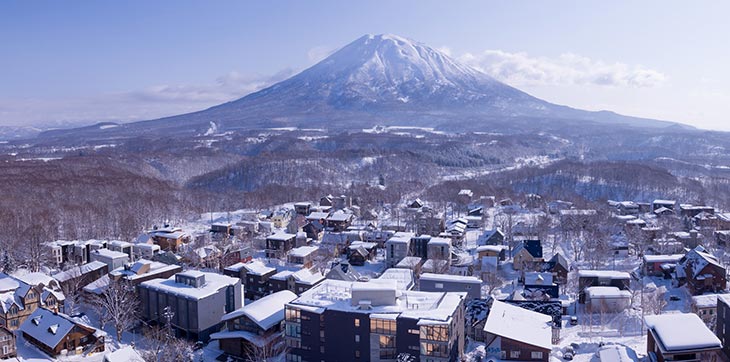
{"x": 384, "y": 71}
{"x": 384, "y": 80}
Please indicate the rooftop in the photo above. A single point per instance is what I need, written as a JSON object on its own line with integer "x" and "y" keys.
{"x": 213, "y": 283}
{"x": 265, "y": 312}
{"x": 681, "y": 332}
{"x": 519, "y": 324}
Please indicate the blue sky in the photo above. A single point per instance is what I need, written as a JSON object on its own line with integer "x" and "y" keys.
{"x": 133, "y": 60}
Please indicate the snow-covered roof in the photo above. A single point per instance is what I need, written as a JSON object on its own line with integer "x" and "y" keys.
{"x": 213, "y": 283}
{"x": 427, "y": 307}
{"x": 281, "y": 236}
{"x": 519, "y": 324}
{"x": 49, "y": 328}
{"x": 409, "y": 262}
{"x": 681, "y": 332}
{"x": 235, "y": 267}
{"x": 98, "y": 286}
{"x": 663, "y": 258}
{"x": 448, "y": 278}
{"x": 535, "y": 278}
{"x": 125, "y": 354}
{"x": 340, "y": 216}
{"x": 606, "y": 293}
{"x": 257, "y": 268}
{"x": 664, "y": 202}
{"x": 607, "y": 274}
{"x": 404, "y": 277}
{"x": 493, "y": 248}
{"x": 705, "y": 301}
{"x": 265, "y": 312}
{"x": 303, "y": 251}
{"x": 37, "y": 279}
{"x": 578, "y": 212}
{"x": 135, "y": 270}
{"x": 306, "y": 276}
{"x": 401, "y": 238}
{"x": 109, "y": 254}
{"x": 614, "y": 353}
{"x": 257, "y": 340}
{"x": 696, "y": 260}
{"x": 439, "y": 241}
{"x": 317, "y": 215}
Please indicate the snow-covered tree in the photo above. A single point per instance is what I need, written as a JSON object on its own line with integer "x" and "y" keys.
{"x": 119, "y": 304}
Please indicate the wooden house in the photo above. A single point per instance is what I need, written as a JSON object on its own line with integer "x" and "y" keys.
{"x": 57, "y": 334}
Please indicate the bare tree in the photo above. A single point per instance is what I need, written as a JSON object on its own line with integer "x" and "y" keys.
{"x": 164, "y": 347}
{"x": 120, "y": 305}
{"x": 71, "y": 289}
{"x": 265, "y": 353}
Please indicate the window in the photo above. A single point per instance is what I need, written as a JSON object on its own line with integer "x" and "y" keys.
{"x": 5, "y": 350}
{"x": 321, "y": 349}
{"x": 357, "y": 322}
{"x": 435, "y": 333}
{"x": 14, "y": 323}
{"x": 434, "y": 349}
{"x": 414, "y": 331}
{"x": 357, "y": 338}
{"x": 357, "y": 353}
{"x": 293, "y": 358}
{"x": 536, "y": 355}
{"x": 439, "y": 286}
{"x": 514, "y": 354}
{"x": 293, "y": 330}
{"x": 382, "y": 326}
{"x": 293, "y": 315}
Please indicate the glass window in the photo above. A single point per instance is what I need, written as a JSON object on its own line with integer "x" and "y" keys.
{"x": 536, "y": 355}
{"x": 514, "y": 354}
{"x": 357, "y": 322}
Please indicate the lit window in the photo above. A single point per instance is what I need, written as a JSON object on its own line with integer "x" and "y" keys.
{"x": 357, "y": 322}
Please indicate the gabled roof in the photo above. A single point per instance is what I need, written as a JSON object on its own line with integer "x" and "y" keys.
{"x": 522, "y": 325}
{"x": 558, "y": 259}
{"x": 697, "y": 259}
{"x": 265, "y": 312}
{"x": 533, "y": 247}
{"x": 50, "y": 328}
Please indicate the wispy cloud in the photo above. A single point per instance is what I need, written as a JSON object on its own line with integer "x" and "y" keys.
{"x": 520, "y": 69}
{"x": 320, "y": 52}
{"x": 151, "y": 102}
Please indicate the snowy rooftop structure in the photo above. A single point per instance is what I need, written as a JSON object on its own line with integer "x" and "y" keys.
{"x": 303, "y": 251}
{"x": 535, "y": 278}
{"x": 519, "y": 324}
{"x": 142, "y": 268}
{"x": 428, "y": 307}
{"x": 38, "y": 279}
{"x": 281, "y": 236}
{"x": 111, "y": 254}
{"x": 401, "y": 238}
{"x": 705, "y": 301}
{"x": 265, "y": 312}
{"x": 607, "y": 293}
{"x": 603, "y": 274}
{"x": 257, "y": 268}
{"x": 492, "y": 248}
{"x": 696, "y": 259}
{"x": 213, "y": 282}
{"x": 663, "y": 258}
{"x": 79, "y": 271}
{"x": 409, "y": 262}
{"x": 403, "y": 277}
{"x": 125, "y": 354}
{"x": 614, "y": 353}
{"x": 448, "y": 278}
{"x": 681, "y": 332}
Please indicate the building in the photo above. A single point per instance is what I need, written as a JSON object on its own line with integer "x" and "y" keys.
{"x": 294, "y": 281}
{"x": 256, "y": 326}
{"x": 75, "y": 278}
{"x": 601, "y": 278}
{"x": 145, "y": 251}
{"x": 57, "y": 334}
{"x": 359, "y": 252}
{"x": 557, "y": 266}
{"x": 705, "y": 306}
{"x": 279, "y": 244}
{"x": 197, "y": 301}
{"x": 722, "y": 323}
{"x": 170, "y": 238}
{"x": 606, "y": 299}
{"x": 666, "y": 204}
{"x": 514, "y": 333}
{"x": 303, "y": 255}
{"x": 122, "y": 247}
{"x": 7, "y": 344}
{"x": 657, "y": 265}
{"x": 374, "y": 321}
{"x": 397, "y": 248}
{"x": 18, "y": 300}
{"x": 527, "y": 255}
{"x": 255, "y": 276}
{"x": 701, "y": 271}
{"x": 113, "y": 259}
{"x": 472, "y": 286}
{"x": 680, "y": 337}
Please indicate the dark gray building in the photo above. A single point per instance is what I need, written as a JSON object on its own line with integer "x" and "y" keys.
{"x": 197, "y": 301}
{"x": 472, "y": 286}
{"x": 374, "y": 321}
